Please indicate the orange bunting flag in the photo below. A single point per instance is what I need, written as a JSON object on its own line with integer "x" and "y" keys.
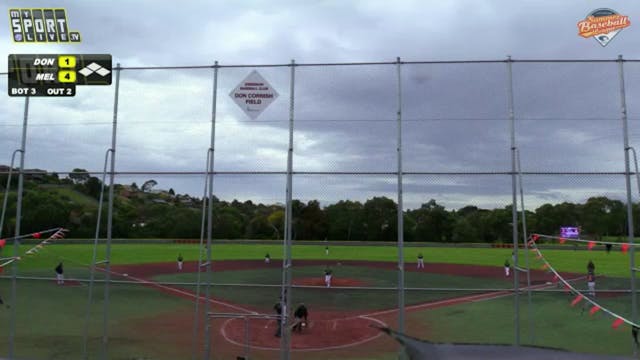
{"x": 36, "y": 235}
{"x": 624, "y": 247}
{"x": 562, "y": 240}
{"x": 3, "y": 242}
{"x": 577, "y": 300}
{"x": 617, "y": 322}
{"x": 591, "y": 245}
{"x": 594, "y": 310}
{"x": 539, "y": 256}
{"x": 545, "y": 266}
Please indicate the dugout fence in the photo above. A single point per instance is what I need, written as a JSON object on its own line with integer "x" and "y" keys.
{"x": 507, "y": 148}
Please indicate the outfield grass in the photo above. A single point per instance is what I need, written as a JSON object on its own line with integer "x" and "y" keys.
{"x": 50, "y": 321}
{"x": 555, "y": 324}
{"x": 615, "y": 263}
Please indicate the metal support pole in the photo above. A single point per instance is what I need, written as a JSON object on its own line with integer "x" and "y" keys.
{"x": 5, "y": 199}
{"x": 530, "y": 319}
{"x": 203, "y": 224}
{"x": 400, "y": 205}
{"x": 635, "y": 161}
{"x": 107, "y": 258}
{"x": 85, "y": 336}
{"x": 285, "y": 295}
{"x": 16, "y": 241}
{"x": 208, "y": 274}
{"x": 514, "y": 207}
{"x": 627, "y": 178}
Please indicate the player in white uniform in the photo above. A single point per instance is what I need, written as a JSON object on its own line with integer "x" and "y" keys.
{"x": 327, "y": 277}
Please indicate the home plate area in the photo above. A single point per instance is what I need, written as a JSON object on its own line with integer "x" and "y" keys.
{"x": 321, "y": 333}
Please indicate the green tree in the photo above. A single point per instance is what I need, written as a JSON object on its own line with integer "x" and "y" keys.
{"x": 276, "y": 221}
{"x": 148, "y": 185}
{"x": 345, "y": 221}
{"x": 79, "y": 176}
{"x": 381, "y": 219}
{"x": 93, "y": 186}
{"x": 432, "y": 222}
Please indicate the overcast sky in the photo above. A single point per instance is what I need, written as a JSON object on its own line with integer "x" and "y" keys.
{"x": 455, "y": 116}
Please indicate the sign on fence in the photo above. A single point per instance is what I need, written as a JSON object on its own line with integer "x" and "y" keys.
{"x": 253, "y": 94}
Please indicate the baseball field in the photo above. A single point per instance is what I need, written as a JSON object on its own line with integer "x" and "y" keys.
{"x": 462, "y": 295}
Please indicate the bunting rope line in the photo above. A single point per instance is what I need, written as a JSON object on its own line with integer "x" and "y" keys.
{"x": 58, "y": 233}
{"x": 619, "y": 319}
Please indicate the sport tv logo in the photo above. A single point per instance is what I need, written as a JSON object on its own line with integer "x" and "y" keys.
{"x": 41, "y": 26}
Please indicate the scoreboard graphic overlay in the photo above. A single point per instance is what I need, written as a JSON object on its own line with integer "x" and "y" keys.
{"x": 56, "y": 74}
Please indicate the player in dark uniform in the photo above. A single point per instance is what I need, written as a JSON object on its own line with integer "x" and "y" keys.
{"x": 278, "y": 308}
{"x": 300, "y": 316}
{"x": 591, "y": 268}
{"x": 267, "y": 258}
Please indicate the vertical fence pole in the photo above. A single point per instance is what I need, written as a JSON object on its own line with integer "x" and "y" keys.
{"x": 627, "y": 178}
{"x": 5, "y": 200}
{"x": 285, "y": 341}
{"x": 94, "y": 256}
{"x": 16, "y": 241}
{"x": 107, "y": 259}
{"x": 526, "y": 256}
{"x": 203, "y": 224}
{"x": 400, "y": 204}
{"x": 207, "y": 306}
{"x": 514, "y": 206}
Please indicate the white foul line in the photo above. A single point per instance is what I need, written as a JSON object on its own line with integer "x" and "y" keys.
{"x": 178, "y": 291}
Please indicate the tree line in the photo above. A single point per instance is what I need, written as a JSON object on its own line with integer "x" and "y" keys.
{"x": 142, "y": 212}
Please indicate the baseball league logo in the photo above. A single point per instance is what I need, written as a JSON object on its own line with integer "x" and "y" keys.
{"x": 602, "y": 25}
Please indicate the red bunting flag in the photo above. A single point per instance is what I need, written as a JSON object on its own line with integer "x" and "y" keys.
{"x": 535, "y": 237}
{"x": 624, "y": 247}
{"x": 555, "y": 278}
{"x": 566, "y": 288}
{"x": 3, "y": 242}
{"x": 36, "y": 235}
{"x": 617, "y": 322}
{"x": 594, "y": 310}
{"x": 562, "y": 240}
{"x": 591, "y": 244}
{"x": 577, "y": 300}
